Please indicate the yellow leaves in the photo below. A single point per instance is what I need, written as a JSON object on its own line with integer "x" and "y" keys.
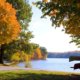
{"x": 1, "y": 32}
{"x": 20, "y": 56}
{"x": 9, "y": 26}
{"x": 53, "y": 12}
{"x": 26, "y": 57}
{"x": 15, "y": 57}
{"x": 45, "y": 1}
{"x": 78, "y": 5}
{"x": 2, "y": 2}
{"x": 38, "y": 53}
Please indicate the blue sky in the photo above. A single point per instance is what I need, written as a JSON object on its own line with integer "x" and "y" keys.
{"x": 45, "y": 35}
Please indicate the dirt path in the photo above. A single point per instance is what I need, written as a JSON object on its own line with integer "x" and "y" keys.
{"x": 12, "y": 68}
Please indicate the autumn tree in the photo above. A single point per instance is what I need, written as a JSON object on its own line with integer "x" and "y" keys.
{"x": 24, "y": 14}
{"x": 63, "y": 12}
{"x": 9, "y": 26}
{"x": 37, "y": 53}
{"x": 40, "y": 53}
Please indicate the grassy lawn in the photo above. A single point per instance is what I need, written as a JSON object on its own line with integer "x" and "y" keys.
{"x": 37, "y": 75}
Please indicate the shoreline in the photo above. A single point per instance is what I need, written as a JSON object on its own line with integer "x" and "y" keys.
{"x": 14, "y": 68}
{"x": 5, "y": 68}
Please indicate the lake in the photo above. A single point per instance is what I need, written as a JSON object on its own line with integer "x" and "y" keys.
{"x": 53, "y": 64}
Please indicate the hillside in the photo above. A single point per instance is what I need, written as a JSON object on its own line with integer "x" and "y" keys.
{"x": 63, "y": 54}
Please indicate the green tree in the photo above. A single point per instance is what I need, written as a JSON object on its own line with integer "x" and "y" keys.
{"x": 23, "y": 9}
{"x": 19, "y": 46}
{"x": 44, "y": 52}
{"x": 76, "y": 40}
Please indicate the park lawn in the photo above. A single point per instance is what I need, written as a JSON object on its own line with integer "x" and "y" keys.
{"x": 37, "y": 75}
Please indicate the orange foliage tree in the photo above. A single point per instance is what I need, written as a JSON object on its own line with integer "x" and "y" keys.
{"x": 45, "y": 0}
{"x": 9, "y": 26}
{"x": 37, "y": 54}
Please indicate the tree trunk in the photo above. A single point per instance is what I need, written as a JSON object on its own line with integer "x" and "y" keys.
{"x": 1, "y": 54}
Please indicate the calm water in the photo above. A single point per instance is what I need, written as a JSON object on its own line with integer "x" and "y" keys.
{"x": 53, "y": 64}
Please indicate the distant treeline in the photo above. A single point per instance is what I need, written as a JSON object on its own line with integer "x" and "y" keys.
{"x": 63, "y": 54}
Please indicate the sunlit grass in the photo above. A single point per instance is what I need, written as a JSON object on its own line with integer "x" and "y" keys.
{"x": 36, "y": 75}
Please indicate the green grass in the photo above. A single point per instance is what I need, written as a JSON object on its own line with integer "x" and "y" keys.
{"x": 37, "y": 75}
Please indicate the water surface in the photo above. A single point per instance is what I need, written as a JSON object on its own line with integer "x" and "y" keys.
{"x": 53, "y": 64}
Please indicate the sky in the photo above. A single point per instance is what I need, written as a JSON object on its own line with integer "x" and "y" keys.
{"x": 54, "y": 40}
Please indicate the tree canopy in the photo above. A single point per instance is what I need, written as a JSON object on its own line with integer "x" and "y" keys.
{"x": 63, "y": 12}
{"x": 9, "y": 26}
{"x": 24, "y": 14}
{"x": 22, "y": 44}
